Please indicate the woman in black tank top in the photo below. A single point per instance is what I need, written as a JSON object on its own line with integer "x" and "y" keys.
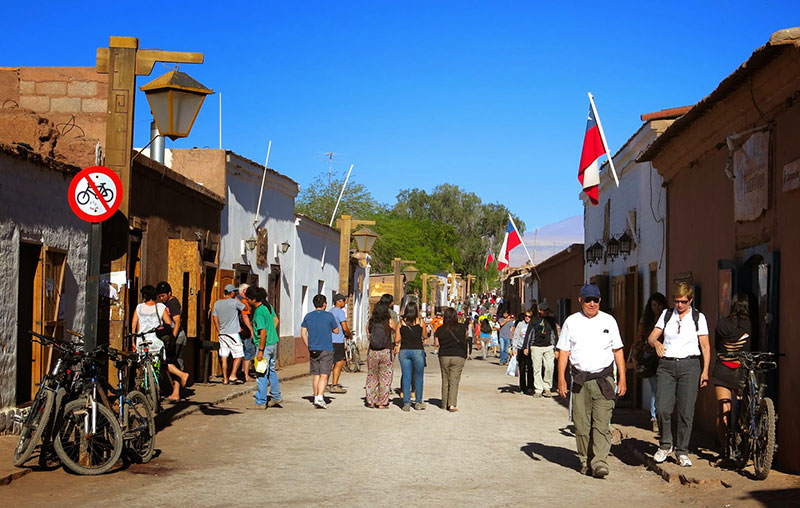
{"x": 410, "y": 339}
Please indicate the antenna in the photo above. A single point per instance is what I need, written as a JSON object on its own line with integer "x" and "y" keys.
{"x": 330, "y": 155}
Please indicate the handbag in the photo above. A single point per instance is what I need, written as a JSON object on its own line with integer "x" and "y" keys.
{"x": 648, "y": 365}
{"x": 164, "y": 334}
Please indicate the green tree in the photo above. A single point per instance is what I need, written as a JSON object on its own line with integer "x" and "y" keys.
{"x": 319, "y": 198}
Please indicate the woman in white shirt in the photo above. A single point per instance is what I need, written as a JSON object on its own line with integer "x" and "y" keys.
{"x": 150, "y": 315}
{"x": 682, "y": 370}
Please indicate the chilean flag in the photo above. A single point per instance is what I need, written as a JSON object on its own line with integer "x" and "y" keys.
{"x": 589, "y": 170}
{"x": 489, "y": 259}
{"x": 511, "y": 240}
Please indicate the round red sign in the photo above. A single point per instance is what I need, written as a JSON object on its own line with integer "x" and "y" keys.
{"x": 95, "y": 193}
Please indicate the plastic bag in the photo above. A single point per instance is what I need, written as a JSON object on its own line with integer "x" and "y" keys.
{"x": 512, "y": 367}
{"x": 261, "y": 366}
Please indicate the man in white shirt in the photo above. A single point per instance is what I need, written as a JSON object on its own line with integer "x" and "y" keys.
{"x": 591, "y": 343}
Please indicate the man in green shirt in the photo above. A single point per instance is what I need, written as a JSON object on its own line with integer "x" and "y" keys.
{"x": 265, "y": 336}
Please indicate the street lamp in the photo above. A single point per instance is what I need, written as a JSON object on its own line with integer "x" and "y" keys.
{"x": 397, "y": 280}
{"x": 410, "y": 272}
{"x": 175, "y": 100}
{"x": 365, "y": 239}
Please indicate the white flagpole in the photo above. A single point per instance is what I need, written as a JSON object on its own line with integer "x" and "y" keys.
{"x": 603, "y": 138}
{"x": 333, "y": 215}
{"x": 263, "y": 179}
{"x": 522, "y": 240}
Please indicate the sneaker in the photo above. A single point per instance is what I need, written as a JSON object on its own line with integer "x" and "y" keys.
{"x": 419, "y": 406}
{"x": 406, "y": 407}
{"x": 257, "y": 406}
{"x": 274, "y": 402}
{"x": 337, "y": 389}
{"x": 600, "y": 472}
{"x": 547, "y": 393}
{"x": 684, "y": 461}
{"x": 661, "y": 455}
{"x": 537, "y": 395}
{"x": 328, "y": 389}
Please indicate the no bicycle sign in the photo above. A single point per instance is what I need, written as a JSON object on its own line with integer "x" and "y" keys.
{"x": 95, "y": 193}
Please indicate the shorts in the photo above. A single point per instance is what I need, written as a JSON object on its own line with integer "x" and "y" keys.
{"x": 338, "y": 352}
{"x": 320, "y": 362}
{"x": 230, "y": 345}
{"x": 723, "y": 375}
{"x": 249, "y": 349}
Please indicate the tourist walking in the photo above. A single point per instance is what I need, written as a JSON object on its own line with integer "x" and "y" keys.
{"x": 485, "y": 327}
{"x": 524, "y": 364}
{"x": 379, "y": 357}
{"x": 246, "y": 333}
{"x": 410, "y": 339}
{"x": 731, "y": 336}
{"x": 644, "y": 354}
{"x": 265, "y": 337}
{"x": 468, "y": 322}
{"x": 174, "y": 346}
{"x": 316, "y": 330}
{"x": 504, "y": 335}
{"x": 339, "y": 302}
{"x": 225, "y": 318}
{"x": 682, "y": 370}
{"x": 539, "y": 340}
{"x": 494, "y": 338}
{"x": 591, "y": 344}
{"x": 451, "y": 342}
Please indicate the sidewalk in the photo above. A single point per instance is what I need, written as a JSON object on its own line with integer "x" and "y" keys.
{"x": 200, "y": 397}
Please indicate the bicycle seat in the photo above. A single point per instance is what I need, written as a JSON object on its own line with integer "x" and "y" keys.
{"x": 74, "y": 333}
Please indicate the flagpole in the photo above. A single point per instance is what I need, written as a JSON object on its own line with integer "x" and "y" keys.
{"x": 522, "y": 241}
{"x": 603, "y": 138}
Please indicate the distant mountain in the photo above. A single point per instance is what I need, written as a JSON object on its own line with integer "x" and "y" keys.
{"x": 550, "y": 240}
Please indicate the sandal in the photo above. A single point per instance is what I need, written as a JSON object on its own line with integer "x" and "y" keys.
{"x": 238, "y": 382}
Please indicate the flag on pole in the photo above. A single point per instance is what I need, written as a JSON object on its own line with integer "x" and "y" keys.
{"x": 489, "y": 259}
{"x": 594, "y": 147}
{"x": 511, "y": 240}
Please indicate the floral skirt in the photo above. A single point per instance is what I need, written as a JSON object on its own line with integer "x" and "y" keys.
{"x": 379, "y": 377}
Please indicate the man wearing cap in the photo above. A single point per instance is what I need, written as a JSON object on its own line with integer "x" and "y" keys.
{"x": 539, "y": 341}
{"x": 316, "y": 331}
{"x": 591, "y": 344}
{"x": 339, "y": 301}
{"x": 226, "y": 320}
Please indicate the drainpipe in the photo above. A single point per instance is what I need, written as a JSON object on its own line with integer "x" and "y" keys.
{"x": 157, "y": 149}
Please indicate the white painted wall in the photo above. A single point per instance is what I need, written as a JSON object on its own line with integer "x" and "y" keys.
{"x": 311, "y": 239}
{"x": 243, "y": 179}
{"x": 34, "y": 208}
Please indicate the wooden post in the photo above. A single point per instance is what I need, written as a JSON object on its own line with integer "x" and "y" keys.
{"x": 345, "y": 225}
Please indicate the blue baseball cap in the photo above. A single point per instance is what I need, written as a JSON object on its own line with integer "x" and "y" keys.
{"x": 590, "y": 290}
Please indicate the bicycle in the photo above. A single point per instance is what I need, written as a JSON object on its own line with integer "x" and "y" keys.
{"x": 83, "y": 196}
{"x": 147, "y": 376}
{"x": 751, "y": 431}
{"x": 48, "y": 399}
{"x": 352, "y": 357}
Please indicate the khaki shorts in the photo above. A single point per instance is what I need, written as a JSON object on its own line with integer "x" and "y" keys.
{"x": 320, "y": 362}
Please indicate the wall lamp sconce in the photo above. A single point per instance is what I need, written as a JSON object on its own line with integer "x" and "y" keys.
{"x": 625, "y": 244}
{"x": 612, "y": 248}
{"x": 251, "y": 243}
{"x": 285, "y": 247}
{"x": 594, "y": 253}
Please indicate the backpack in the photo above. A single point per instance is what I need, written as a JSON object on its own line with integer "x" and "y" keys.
{"x": 695, "y": 317}
{"x": 485, "y": 326}
{"x": 379, "y": 337}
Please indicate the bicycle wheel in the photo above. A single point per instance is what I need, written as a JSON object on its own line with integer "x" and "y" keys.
{"x": 47, "y": 454}
{"x": 764, "y": 447}
{"x": 82, "y": 451}
{"x": 140, "y": 428}
{"x": 108, "y": 195}
{"x": 356, "y": 360}
{"x": 152, "y": 389}
{"x": 83, "y": 197}
{"x": 34, "y": 425}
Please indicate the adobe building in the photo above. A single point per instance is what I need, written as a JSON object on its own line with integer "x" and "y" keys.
{"x": 731, "y": 169}
{"x": 559, "y": 281}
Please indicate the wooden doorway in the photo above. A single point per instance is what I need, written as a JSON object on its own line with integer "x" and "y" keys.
{"x": 274, "y": 288}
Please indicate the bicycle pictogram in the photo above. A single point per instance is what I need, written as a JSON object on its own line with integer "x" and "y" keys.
{"x": 83, "y": 196}
{"x": 95, "y": 193}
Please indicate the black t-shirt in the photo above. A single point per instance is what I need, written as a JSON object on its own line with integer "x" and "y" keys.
{"x": 728, "y": 337}
{"x": 452, "y": 342}
{"x": 174, "y": 308}
{"x": 410, "y": 337}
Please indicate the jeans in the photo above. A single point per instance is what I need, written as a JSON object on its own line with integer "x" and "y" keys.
{"x": 412, "y": 364}
{"x": 678, "y": 381}
{"x": 505, "y": 343}
{"x": 545, "y": 354}
{"x": 591, "y": 412}
{"x": 270, "y": 376}
{"x": 525, "y": 371}
{"x": 653, "y": 380}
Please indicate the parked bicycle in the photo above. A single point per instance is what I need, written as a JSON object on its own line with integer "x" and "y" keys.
{"x": 751, "y": 433}
{"x": 352, "y": 358}
{"x": 48, "y": 400}
{"x": 149, "y": 365}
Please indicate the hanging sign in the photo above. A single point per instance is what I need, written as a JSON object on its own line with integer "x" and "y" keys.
{"x": 95, "y": 194}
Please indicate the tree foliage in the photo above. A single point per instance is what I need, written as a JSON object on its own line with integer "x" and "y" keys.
{"x": 319, "y": 198}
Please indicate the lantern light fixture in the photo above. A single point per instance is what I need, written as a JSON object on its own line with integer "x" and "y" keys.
{"x": 625, "y": 244}
{"x": 175, "y": 100}
{"x": 612, "y": 248}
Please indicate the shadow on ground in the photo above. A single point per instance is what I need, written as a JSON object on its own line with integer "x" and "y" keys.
{"x": 556, "y": 454}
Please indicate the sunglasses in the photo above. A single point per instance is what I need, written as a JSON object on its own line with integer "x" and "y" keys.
{"x": 591, "y": 299}
{"x": 682, "y": 302}
{"x": 527, "y": 317}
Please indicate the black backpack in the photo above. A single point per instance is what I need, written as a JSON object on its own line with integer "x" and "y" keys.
{"x": 695, "y": 317}
{"x": 380, "y": 337}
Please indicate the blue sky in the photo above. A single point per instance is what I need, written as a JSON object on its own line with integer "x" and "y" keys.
{"x": 488, "y": 95}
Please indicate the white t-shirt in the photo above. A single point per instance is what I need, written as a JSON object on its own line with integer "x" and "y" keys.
{"x": 685, "y": 343}
{"x": 150, "y": 318}
{"x": 590, "y": 341}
